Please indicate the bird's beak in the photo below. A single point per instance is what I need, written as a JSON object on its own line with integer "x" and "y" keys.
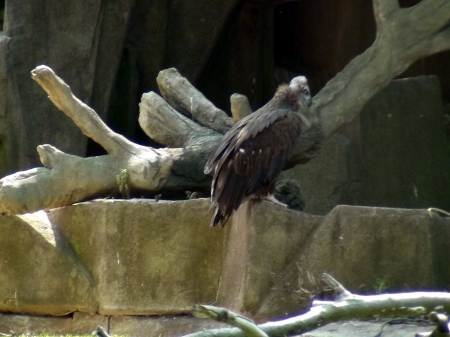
{"x": 307, "y": 100}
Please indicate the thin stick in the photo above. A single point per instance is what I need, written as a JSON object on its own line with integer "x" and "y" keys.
{"x": 229, "y": 317}
{"x": 100, "y": 332}
{"x": 437, "y": 210}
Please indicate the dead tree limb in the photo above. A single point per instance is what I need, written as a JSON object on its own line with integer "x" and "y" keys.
{"x": 189, "y": 101}
{"x": 404, "y": 35}
{"x": 165, "y": 125}
{"x": 67, "y": 179}
{"x": 348, "y": 306}
{"x": 240, "y": 107}
{"x": 229, "y": 317}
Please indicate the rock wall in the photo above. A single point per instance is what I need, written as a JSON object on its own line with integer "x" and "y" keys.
{"x": 125, "y": 259}
{"x": 394, "y": 155}
{"x": 112, "y": 258}
{"x": 83, "y": 44}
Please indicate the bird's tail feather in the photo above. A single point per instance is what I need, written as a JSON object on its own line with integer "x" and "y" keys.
{"x": 218, "y": 218}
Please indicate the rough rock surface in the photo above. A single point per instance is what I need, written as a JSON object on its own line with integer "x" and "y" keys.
{"x": 78, "y": 324}
{"x": 145, "y": 257}
{"x": 165, "y": 326}
{"x": 394, "y": 155}
{"x": 111, "y": 257}
{"x": 367, "y": 249}
{"x": 39, "y": 272}
{"x": 370, "y": 329}
{"x": 4, "y": 165}
{"x": 140, "y": 257}
{"x": 170, "y": 326}
{"x": 83, "y": 43}
{"x": 198, "y": 24}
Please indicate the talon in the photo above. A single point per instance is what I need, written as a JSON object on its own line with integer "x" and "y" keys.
{"x": 271, "y": 198}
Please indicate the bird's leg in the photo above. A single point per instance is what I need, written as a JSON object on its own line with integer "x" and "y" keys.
{"x": 271, "y": 198}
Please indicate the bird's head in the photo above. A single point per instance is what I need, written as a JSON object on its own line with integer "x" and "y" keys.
{"x": 300, "y": 89}
{"x": 300, "y": 86}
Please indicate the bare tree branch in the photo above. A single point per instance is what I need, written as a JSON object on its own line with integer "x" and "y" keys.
{"x": 404, "y": 35}
{"x": 338, "y": 288}
{"x": 229, "y": 317}
{"x": 83, "y": 116}
{"x": 189, "y": 101}
{"x": 165, "y": 125}
{"x": 384, "y": 8}
{"x": 348, "y": 307}
{"x": 436, "y": 44}
{"x": 240, "y": 107}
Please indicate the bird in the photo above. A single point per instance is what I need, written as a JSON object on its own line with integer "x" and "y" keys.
{"x": 254, "y": 151}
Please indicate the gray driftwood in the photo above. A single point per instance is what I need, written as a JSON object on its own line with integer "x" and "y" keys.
{"x": 347, "y": 306}
{"x": 229, "y": 317}
{"x": 191, "y": 126}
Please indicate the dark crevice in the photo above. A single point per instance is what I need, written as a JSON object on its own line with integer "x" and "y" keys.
{"x": 2, "y": 12}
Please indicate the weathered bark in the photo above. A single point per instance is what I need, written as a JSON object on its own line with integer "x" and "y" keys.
{"x": 229, "y": 317}
{"x": 186, "y": 99}
{"x": 403, "y": 36}
{"x": 240, "y": 107}
{"x": 67, "y": 179}
{"x": 84, "y": 43}
{"x": 346, "y": 306}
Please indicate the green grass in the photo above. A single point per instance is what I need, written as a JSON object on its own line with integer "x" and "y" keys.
{"x": 47, "y": 335}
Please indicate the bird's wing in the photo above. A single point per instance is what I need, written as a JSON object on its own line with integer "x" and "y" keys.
{"x": 252, "y": 155}
{"x": 246, "y": 127}
{"x": 263, "y": 148}
{"x": 228, "y": 141}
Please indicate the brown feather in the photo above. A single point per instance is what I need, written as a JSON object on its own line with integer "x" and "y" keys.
{"x": 254, "y": 151}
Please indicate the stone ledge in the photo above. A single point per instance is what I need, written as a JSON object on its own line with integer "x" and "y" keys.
{"x": 111, "y": 257}
{"x": 139, "y": 257}
{"x": 77, "y": 324}
{"x": 37, "y": 274}
{"x": 368, "y": 249}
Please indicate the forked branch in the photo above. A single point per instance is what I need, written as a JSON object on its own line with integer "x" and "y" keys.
{"x": 404, "y": 35}
{"x": 348, "y": 306}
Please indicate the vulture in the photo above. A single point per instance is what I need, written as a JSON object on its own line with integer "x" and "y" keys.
{"x": 253, "y": 152}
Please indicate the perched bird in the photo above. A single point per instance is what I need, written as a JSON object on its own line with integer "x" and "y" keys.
{"x": 254, "y": 151}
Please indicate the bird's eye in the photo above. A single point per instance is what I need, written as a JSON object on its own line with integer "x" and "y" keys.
{"x": 305, "y": 91}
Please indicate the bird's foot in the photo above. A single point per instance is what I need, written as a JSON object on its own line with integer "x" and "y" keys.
{"x": 272, "y": 198}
